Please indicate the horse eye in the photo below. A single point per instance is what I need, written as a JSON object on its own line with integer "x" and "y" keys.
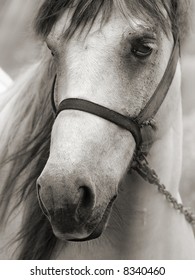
{"x": 141, "y": 50}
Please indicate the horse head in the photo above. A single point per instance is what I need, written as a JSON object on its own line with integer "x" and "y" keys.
{"x": 118, "y": 64}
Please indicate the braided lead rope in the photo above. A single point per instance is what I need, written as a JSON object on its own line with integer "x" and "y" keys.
{"x": 142, "y": 167}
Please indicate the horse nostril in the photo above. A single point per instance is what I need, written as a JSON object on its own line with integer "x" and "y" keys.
{"x": 86, "y": 197}
{"x": 66, "y": 206}
{"x": 86, "y": 202}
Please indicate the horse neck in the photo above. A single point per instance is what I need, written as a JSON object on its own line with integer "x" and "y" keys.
{"x": 148, "y": 226}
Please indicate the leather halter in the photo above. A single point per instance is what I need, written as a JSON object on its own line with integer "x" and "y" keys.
{"x": 134, "y": 125}
{"x": 137, "y": 126}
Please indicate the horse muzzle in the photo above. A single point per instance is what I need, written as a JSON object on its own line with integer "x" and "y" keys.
{"x": 76, "y": 219}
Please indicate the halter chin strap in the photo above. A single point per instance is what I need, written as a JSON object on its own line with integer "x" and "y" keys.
{"x": 134, "y": 125}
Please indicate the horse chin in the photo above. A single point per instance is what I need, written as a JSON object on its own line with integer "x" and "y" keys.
{"x": 96, "y": 232}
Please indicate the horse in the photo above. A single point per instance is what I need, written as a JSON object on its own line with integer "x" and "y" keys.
{"x": 83, "y": 128}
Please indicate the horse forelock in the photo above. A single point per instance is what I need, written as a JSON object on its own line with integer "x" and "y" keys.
{"x": 86, "y": 11}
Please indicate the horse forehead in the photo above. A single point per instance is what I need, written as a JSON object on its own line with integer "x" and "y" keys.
{"x": 117, "y": 26}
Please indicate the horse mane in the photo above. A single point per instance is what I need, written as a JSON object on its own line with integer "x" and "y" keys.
{"x": 32, "y": 114}
{"x": 22, "y": 160}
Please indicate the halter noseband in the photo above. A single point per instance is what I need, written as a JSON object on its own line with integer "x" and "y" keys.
{"x": 134, "y": 125}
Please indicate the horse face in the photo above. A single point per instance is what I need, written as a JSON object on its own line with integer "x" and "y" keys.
{"x": 119, "y": 66}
